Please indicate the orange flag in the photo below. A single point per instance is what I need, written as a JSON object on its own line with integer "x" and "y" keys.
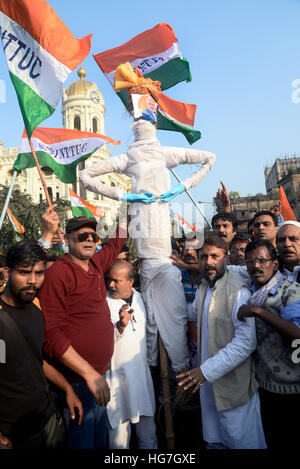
{"x": 15, "y": 223}
{"x": 286, "y": 210}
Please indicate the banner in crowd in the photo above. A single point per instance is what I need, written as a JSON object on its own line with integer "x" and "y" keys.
{"x": 286, "y": 210}
{"x": 81, "y": 208}
{"x": 59, "y": 149}
{"x": 157, "y": 55}
{"x": 40, "y": 52}
{"x": 17, "y": 226}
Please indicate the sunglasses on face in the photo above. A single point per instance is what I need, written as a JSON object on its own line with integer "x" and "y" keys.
{"x": 85, "y": 235}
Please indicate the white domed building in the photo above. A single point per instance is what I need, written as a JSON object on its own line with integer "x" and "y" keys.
{"x": 83, "y": 108}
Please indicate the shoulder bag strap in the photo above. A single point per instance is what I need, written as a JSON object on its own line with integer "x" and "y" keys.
{"x": 12, "y": 326}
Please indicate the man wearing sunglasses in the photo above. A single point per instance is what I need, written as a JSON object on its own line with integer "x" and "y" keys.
{"x": 275, "y": 305}
{"x": 78, "y": 328}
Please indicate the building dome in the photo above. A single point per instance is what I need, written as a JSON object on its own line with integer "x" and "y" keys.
{"x": 80, "y": 86}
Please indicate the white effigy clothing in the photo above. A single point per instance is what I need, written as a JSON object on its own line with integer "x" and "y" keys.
{"x": 129, "y": 378}
{"x": 163, "y": 294}
{"x": 147, "y": 163}
{"x": 240, "y": 427}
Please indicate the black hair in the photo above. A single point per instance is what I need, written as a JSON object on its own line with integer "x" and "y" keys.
{"x": 25, "y": 252}
{"x": 212, "y": 239}
{"x": 260, "y": 243}
{"x": 239, "y": 237}
{"x": 3, "y": 261}
{"x": 250, "y": 222}
{"x": 228, "y": 216}
{"x": 266, "y": 212}
{"x": 124, "y": 248}
{"x": 122, "y": 263}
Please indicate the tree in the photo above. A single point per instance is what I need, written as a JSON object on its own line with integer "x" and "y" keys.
{"x": 234, "y": 195}
{"x": 27, "y": 213}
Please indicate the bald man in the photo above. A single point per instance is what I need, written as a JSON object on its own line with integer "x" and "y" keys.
{"x": 132, "y": 395}
{"x": 288, "y": 247}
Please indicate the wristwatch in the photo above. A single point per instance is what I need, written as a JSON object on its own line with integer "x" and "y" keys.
{"x": 45, "y": 244}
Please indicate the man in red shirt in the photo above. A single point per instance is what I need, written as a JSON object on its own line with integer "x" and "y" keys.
{"x": 79, "y": 332}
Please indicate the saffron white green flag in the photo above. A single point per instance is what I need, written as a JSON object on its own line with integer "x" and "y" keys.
{"x": 17, "y": 226}
{"x": 40, "y": 52}
{"x": 81, "y": 208}
{"x": 157, "y": 54}
{"x": 59, "y": 149}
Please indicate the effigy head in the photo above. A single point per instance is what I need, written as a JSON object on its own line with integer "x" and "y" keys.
{"x": 143, "y": 93}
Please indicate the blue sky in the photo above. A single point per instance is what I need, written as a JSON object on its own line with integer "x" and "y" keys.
{"x": 244, "y": 56}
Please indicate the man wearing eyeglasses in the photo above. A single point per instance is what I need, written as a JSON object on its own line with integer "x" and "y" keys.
{"x": 275, "y": 305}
{"x": 78, "y": 328}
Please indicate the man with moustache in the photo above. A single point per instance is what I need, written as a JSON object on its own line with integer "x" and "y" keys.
{"x": 132, "y": 402}
{"x": 288, "y": 247}
{"x": 25, "y": 403}
{"x": 275, "y": 305}
{"x": 78, "y": 328}
{"x": 228, "y": 389}
{"x": 225, "y": 226}
{"x": 237, "y": 250}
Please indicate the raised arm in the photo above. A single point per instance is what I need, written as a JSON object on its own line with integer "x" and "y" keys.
{"x": 176, "y": 156}
{"x": 89, "y": 176}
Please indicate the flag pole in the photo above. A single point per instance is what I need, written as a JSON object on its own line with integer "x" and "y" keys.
{"x": 60, "y": 235}
{"x": 9, "y": 192}
{"x": 192, "y": 198}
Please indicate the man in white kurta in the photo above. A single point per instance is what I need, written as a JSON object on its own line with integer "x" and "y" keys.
{"x": 132, "y": 396}
{"x": 229, "y": 399}
{"x": 147, "y": 163}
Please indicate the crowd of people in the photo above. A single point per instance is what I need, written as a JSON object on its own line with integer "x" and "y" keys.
{"x": 79, "y": 363}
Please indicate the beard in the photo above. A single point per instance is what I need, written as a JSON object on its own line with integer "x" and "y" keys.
{"x": 23, "y": 295}
{"x": 211, "y": 274}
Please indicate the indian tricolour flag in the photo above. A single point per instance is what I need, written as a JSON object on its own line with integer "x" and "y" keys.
{"x": 155, "y": 51}
{"x": 17, "y": 226}
{"x": 59, "y": 149}
{"x": 40, "y": 52}
{"x": 157, "y": 54}
{"x": 81, "y": 208}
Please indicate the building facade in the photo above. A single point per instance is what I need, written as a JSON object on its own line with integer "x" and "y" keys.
{"x": 83, "y": 108}
{"x": 285, "y": 172}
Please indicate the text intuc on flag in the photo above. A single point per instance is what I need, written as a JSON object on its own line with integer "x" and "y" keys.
{"x": 81, "y": 208}
{"x": 59, "y": 149}
{"x": 286, "y": 210}
{"x": 18, "y": 227}
{"x": 157, "y": 54}
{"x": 40, "y": 52}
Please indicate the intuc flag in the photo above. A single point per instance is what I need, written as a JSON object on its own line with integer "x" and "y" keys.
{"x": 40, "y": 52}
{"x": 15, "y": 223}
{"x": 286, "y": 210}
{"x": 59, "y": 149}
{"x": 81, "y": 208}
{"x": 157, "y": 55}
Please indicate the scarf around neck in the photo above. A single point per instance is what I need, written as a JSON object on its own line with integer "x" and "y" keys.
{"x": 258, "y": 298}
